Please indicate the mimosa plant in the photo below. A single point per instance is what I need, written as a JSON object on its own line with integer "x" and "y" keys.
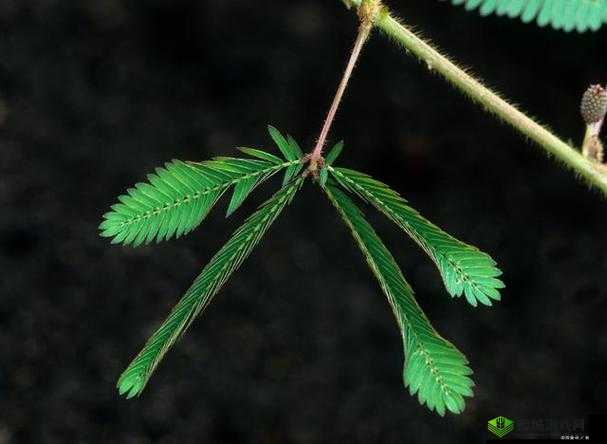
{"x": 177, "y": 197}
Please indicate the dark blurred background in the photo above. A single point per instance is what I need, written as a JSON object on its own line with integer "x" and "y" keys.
{"x": 301, "y": 346}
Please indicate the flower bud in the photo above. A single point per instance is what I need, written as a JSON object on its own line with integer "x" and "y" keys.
{"x": 594, "y": 104}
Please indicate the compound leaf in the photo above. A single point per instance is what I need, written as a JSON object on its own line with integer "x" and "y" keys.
{"x": 568, "y": 15}
{"x": 434, "y": 368}
{"x": 178, "y": 197}
{"x": 464, "y": 269}
{"x": 199, "y": 295}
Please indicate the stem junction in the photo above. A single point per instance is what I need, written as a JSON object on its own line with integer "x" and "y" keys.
{"x": 488, "y": 99}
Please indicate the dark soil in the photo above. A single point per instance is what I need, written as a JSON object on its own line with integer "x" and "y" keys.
{"x": 301, "y": 346}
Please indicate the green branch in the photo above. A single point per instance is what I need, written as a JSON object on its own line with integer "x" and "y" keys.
{"x": 488, "y": 99}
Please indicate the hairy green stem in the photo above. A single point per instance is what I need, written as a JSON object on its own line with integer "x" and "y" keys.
{"x": 490, "y": 101}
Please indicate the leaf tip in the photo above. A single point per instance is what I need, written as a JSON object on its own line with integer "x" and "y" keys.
{"x": 273, "y": 131}
{"x": 130, "y": 385}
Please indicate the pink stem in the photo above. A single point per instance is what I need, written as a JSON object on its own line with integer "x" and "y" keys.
{"x": 363, "y": 34}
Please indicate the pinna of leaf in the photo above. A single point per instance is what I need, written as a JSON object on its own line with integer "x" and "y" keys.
{"x": 177, "y": 197}
{"x": 566, "y": 15}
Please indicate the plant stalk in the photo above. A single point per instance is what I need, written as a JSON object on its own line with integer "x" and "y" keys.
{"x": 592, "y": 147}
{"x": 364, "y": 30}
{"x": 490, "y": 101}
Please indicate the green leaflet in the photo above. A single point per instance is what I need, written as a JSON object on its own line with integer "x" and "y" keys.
{"x": 464, "y": 269}
{"x": 199, "y": 295}
{"x": 434, "y": 369}
{"x": 334, "y": 153}
{"x": 241, "y": 192}
{"x": 290, "y": 150}
{"x": 261, "y": 155}
{"x": 568, "y": 15}
{"x": 330, "y": 158}
{"x": 178, "y": 197}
